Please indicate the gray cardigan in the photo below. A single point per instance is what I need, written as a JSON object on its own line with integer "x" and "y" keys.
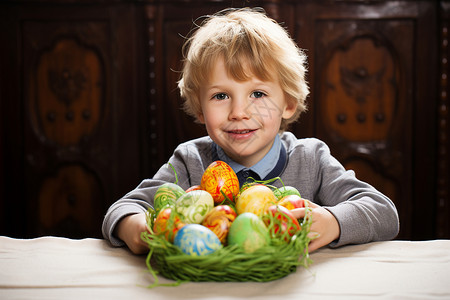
{"x": 364, "y": 214}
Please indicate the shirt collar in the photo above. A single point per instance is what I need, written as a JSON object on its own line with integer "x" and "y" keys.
{"x": 263, "y": 167}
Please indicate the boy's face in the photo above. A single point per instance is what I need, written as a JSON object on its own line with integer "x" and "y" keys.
{"x": 242, "y": 117}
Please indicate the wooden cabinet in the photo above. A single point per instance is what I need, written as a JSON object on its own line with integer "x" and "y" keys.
{"x": 90, "y": 106}
{"x": 373, "y": 79}
{"x": 70, "y": 115}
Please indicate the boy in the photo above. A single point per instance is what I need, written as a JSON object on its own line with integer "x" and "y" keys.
{"x": 244, "y": 79}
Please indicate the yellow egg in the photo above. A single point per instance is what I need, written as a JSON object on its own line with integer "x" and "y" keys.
{"x": 255, "y": 199}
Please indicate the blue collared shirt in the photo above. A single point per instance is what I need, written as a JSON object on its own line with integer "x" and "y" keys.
{"x": 271, "y": 164}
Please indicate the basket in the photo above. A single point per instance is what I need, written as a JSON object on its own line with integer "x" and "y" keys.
{"x": 230, "y": 263}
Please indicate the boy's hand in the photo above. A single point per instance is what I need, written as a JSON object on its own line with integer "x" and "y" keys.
{"x": 324, "y": 228}
{"x": 129, "y": 230}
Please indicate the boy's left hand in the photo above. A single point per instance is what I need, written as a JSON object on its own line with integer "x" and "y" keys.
{"x": 324, "y": 228}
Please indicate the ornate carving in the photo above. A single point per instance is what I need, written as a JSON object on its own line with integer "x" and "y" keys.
{"x": 359, "y": 83}
{"x": 67, "y": 102}
{"x": 67, "y": 84}
{"x": 359, "y": 94}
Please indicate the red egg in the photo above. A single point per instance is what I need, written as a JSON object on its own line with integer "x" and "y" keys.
{"x": 194, "y": 188}
{"x": 291, "y": 202}
{"x": 167, "y": 223}
{"x": 219, "y": 220}
{"x": 219, "y": 179}
{"x": 285, "y": 224}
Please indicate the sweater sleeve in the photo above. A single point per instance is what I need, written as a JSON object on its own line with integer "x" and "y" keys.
{"x": 364, "y": 214}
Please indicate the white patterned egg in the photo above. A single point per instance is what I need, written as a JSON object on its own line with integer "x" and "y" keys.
{"x": 194, "y": 206}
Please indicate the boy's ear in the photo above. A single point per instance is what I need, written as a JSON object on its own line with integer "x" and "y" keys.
{"x": 201, "y": 118}
{"x": 290, "y": 109}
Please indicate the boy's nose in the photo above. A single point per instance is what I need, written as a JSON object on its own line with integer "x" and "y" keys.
{"x": 240, "y": 110}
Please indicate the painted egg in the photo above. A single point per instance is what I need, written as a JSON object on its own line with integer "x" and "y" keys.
{"x": 219, "y": 179}
{"x": 167, "y": 223}
{"x": 291, "y": 202}
{"x": 285, "y": 225}
{"x": 219, "y": 220}
{"x": 255, "y": 199}
{"x": 194, "y": 206}
{"x": 249, "y": 232}
{"x": 197, "y": 240}
{"x": 193, "y": 188}
{"x": 285, "y": 191}
{"x": 166, "y": 196}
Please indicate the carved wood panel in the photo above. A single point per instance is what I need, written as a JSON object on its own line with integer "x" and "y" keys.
{"x": 64, "y": 97}
{"x": 361, "y": 102}
{"x": 77, "y": 125}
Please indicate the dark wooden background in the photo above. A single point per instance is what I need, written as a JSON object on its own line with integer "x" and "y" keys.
{"x": 89, "y": 105}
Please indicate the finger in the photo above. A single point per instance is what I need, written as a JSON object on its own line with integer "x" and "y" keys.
{"x": 298, "y": 213}
{"x": 314, "y": 245}
{"x": 310, "y": 204}
{"x": 301, "y": 212}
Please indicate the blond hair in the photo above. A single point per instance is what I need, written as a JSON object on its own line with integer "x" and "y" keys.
{"x": 243, "y": 38}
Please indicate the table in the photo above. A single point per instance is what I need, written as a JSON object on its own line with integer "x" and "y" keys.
{"x": 61, "y": 268}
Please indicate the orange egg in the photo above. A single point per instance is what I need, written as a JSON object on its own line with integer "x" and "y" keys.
{"x": 167, "y": 224}
{"x": 219, "y": 220}
{"x": 220, "y": 181}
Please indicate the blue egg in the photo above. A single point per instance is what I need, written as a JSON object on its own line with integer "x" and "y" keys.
{"x": 197, "y": 240}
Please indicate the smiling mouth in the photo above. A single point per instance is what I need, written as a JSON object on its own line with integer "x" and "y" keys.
{"x": 243, "y": 131}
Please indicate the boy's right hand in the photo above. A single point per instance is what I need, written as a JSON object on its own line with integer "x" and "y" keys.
{"x": 129, "y": 230}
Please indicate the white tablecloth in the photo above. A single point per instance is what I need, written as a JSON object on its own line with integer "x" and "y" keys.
{"x": 60, "y": 268}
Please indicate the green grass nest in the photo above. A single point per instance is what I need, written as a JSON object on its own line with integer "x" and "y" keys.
{"x": 230, "y": 263}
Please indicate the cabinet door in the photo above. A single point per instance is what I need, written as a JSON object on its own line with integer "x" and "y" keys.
{"x": 74, "y": 135}
{"x": 372, "y": 71}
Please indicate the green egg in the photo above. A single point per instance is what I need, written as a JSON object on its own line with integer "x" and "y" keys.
{"x": 249, "y": 232}
{"x": 166, "y": 196}
{"x": 285, "y": 191}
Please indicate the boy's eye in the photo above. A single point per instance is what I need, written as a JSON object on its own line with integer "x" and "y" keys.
{"x": 220, "y": 96}
{"x": 258, "y": 94}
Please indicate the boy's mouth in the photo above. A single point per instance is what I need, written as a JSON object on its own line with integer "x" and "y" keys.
{"x": 241, "y": 131}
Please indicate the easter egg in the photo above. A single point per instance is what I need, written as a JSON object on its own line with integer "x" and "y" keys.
{"x": 291, "y": 202}
{"x": 194, "y": 206}
{"x": 167, "y": 223}
{"x": 285, "y": 225}
{"x": 219, "y": 179}
{"x": 219, "y": 220}
{"x": 166, "y": 196}
{"x": 255, "y": 199}
{"x": 193, "y": 188}
{"x": 197, "y": 240}
{"x": 249, "y": 232}
{"x": 285, "y": 191}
